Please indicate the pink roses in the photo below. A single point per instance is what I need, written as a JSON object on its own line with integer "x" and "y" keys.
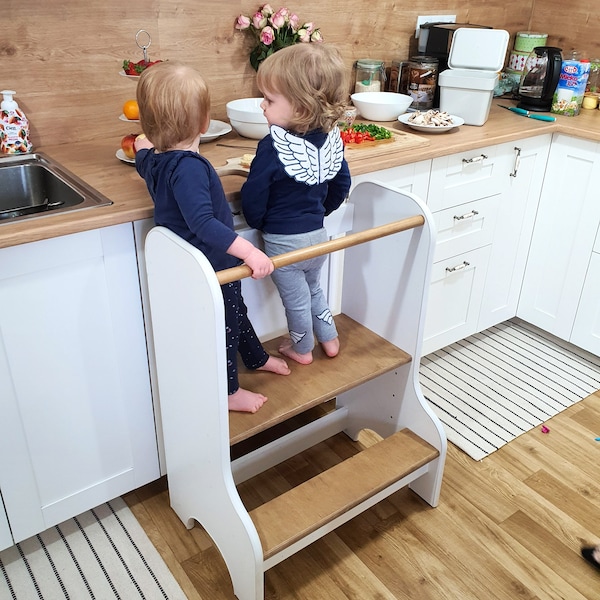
{"x": 274, "y": 30}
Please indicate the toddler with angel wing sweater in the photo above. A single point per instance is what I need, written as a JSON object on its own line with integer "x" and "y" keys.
{"x": 298, "y": 176}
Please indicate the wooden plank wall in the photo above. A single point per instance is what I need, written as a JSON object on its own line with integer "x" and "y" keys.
{"x": 63, "y": 56}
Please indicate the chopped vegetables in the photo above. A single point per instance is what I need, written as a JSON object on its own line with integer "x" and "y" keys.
{"x": 362, "y": 132}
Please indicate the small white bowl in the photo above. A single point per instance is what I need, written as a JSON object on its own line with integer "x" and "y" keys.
{"x": 247, "y": 118}
{"x": 381, "y": 106}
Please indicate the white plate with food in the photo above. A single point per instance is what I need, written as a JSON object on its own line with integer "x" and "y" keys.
{"x": 123, "y": 157}
{"x": 431, "y": 121}
{"x": 123, "y": 74}
{"x": 215, "y": 130}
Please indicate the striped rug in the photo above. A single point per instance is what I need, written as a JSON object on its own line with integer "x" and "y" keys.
{"x": 101, "y": 554}
{"x": 493, "y": 386}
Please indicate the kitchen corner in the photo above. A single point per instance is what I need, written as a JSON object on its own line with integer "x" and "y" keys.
{"x": 95, "y": 163}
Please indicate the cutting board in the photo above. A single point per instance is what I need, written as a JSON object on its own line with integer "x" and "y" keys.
{"x": 399, "y": 141}
{"x": 233, "y": 167}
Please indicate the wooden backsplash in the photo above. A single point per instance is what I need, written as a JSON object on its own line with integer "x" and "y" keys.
{"x": 63, "y": 56}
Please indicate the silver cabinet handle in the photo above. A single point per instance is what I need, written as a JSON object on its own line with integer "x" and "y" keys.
{"x": 475, "y": 159}
{"x": 468, "y": 215}
{"x": 460, "y": 267}
{"x": 517, "y": 162}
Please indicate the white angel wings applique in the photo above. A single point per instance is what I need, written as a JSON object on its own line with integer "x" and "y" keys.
{"x": 303, "y": 161}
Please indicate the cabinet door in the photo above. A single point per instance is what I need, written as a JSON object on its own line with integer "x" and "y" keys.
{"x": 513, "y": 229}
{"x": 586, "y": 329}
{"x": 76, "y": 418}
{"x": 565, "y": 228}
{"x": 454, "y": 298}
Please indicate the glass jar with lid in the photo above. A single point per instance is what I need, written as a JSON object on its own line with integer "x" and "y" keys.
{"x": 370, "y": 75}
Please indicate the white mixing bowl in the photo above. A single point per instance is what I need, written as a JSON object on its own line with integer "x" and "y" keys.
{"x": 247, "y": 118}
{"x": 381, "y": 106}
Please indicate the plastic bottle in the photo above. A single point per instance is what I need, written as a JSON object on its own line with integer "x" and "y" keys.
{"x": 14, "y": 127}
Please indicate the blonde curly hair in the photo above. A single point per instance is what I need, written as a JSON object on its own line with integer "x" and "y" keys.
{"x": 313, "y": 78}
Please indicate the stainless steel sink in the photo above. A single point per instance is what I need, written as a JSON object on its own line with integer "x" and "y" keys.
{"x": 34, "y": 185}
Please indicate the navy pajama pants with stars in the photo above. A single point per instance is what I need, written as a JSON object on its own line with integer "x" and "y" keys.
{"x": 239, "y": 336}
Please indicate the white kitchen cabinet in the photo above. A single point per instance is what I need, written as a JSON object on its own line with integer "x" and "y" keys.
{"x": 586, "y": 329}
{"x": 465, "y": 192}
{"x": 563, "y": 238}
{"x": 513, "y": 229}
{"x": 76, "y": 417}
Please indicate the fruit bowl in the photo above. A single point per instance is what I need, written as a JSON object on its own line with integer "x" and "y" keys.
{"x": 381, "y": 106}
{"x": 247, "y": 118}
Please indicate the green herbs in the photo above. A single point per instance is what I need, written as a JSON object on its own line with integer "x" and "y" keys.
{"x": 376, "y": 132}
{"x": 362, "y": 132}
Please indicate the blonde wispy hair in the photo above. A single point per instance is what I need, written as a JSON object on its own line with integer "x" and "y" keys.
{"x": 174, "y": 103}
{"x": 313, "y": 78}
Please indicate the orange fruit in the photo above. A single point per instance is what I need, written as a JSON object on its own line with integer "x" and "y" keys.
{"x": 131, "y": 110}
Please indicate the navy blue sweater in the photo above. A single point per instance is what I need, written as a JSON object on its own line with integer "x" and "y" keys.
{"x": 295, "y": 181}
{"x": 189, "y": 200}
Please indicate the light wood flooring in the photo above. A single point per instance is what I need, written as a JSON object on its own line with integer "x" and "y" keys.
{"x": 507, "y": 528}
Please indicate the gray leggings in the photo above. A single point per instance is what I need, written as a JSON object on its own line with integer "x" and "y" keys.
{"x": 299, "y": 286}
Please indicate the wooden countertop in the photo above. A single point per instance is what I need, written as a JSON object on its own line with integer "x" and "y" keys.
{"x": 95, "y": 162}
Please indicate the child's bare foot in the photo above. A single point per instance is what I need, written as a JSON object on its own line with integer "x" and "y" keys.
{"x": 245, "y": 401}
{"x": 332, "y": 347}
{"x": 276, "y": 365}
{"x": 287, "y": 350}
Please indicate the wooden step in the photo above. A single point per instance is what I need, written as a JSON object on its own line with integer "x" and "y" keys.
{"x": 302, "y": 510}
{"x": 363, "y": 356}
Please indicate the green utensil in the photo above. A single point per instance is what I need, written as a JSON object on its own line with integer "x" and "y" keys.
{"x": 526, "y": 113}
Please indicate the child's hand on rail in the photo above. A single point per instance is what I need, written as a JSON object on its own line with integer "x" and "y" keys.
{"x": 260, "y": 264}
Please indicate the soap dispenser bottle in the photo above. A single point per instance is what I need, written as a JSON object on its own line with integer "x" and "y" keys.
{"x": 14, "y": 127}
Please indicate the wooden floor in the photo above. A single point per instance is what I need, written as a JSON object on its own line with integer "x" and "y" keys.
{"x": 508, "y": 527}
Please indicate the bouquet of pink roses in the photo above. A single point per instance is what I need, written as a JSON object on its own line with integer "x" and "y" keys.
{"x": 274, "y": 31}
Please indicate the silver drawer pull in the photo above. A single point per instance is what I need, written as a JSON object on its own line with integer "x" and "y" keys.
{"x": 460, "y": 267}
{"x": 468, "y": 215}
{"x": 517, "y": 162}
{"x": 475, "y": 159}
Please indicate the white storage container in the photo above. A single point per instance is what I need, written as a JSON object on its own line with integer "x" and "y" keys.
{"x": 467, "y": 87}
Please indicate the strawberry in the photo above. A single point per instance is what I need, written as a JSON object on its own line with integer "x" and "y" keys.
{"x": 131, "y": 68}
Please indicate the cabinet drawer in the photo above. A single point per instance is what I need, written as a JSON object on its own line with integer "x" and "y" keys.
{"x": 468, "y": 176}
{"x": 465, "y": 227}
{"x": 455, "y": 295}
{"x": 413, "y": 177}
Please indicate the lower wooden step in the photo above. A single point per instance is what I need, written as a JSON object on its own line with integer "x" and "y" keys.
{"x": 302, "y": 510}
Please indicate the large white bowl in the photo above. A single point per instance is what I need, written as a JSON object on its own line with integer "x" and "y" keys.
{"x": 247, "y": 118}
{"x": 254, "y": 131}
{"x": 381, "y": 106}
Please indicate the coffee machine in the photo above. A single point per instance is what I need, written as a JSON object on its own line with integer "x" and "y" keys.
{"x": 540, "y": 78}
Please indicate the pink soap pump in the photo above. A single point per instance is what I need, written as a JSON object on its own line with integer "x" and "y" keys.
{"x": 14, "y": 127}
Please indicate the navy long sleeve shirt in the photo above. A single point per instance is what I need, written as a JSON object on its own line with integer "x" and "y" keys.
{"x": 189, "y": 200}
{"x": 295, "y": 181}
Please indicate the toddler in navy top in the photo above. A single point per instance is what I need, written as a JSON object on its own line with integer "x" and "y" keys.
{"x": 189, "y": 200}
